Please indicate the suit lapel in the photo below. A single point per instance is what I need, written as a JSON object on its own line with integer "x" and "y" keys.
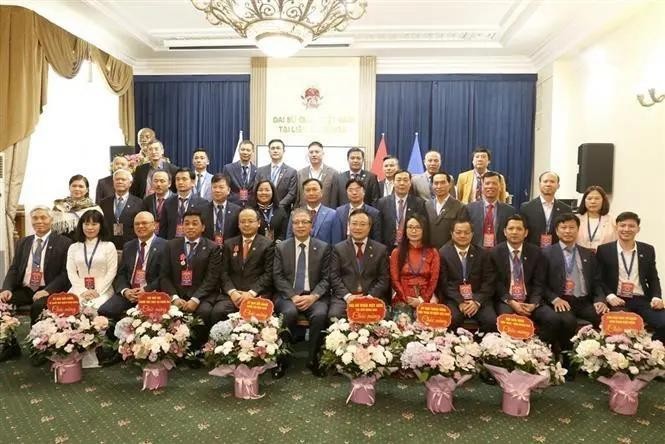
{"x": 312, "y": 256}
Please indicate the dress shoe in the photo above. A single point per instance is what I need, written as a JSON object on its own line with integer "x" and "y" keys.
{"x": 108, "y": 357}
{"x": 279, "y": 371}
{"x": 316, "y": 369}
{"x": 487, "y": 378}
{"x": 10, "y": 350}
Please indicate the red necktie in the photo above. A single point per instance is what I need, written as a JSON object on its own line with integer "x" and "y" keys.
{"x": 488, "y": 223}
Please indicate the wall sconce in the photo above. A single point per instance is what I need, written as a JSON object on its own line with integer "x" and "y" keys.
{"x": 654, "y": 98}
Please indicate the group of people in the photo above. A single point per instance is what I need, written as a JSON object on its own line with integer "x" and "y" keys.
{"x": 315, "y": 239}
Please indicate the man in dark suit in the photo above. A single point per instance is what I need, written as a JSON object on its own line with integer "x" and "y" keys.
{"x": 489, "y": 215}
{"x": 541, "y": 211}
{"x": 246, "y": 268}
{"x": 300, "y": 275}
{"x": 467, "y": 279}
{"x": 175, "y": 207}
{"x": 154, "y": 203}
{"x": 325, "y": 225}
{"x": 390, "y": 167}
{"x": 355, "y": 191}
{"x": 359, "y": 267}
{"x": 192, "y": 271}
{"x": 105, "y": 185}
{"x": 142, "y": 262}
{"x": 120, "y": 209}
{"x": 220, "y": 215}
{"x": 282, "y": 176}
{"x": 356, "y": 158}
{"x": 396, "y": 209}
{"x": 242, "y": 175}
{"x": 143, "y": 173}
{"x": 39, "y": 265}
{"x": 629, "y": 276}
{"x": 323, "y": 173}
{"x": 443, "y": 210}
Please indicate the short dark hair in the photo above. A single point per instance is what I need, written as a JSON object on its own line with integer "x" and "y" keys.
{"x": 276, "y": 140}
{"x": 93, "y": 216}
{"x": 449, "y": 177}
{"x": 168, "y": 175}
{"x": 519, "y": 218}
{"x": 188, "y": 171}
{"x": 201, "y": 150}
{"x": 389, "y": 157}
{"x": 76, "y": 177}
{"x": 355, "y": 149}
{"x": 482, "y": 149}
{"x": 492, "y": 174}
{"x": 605, "y": 206}
{"x": 352, "y": 181}
{"x": 312, "y": 179}
{"x": 462, "y": 220}
{"x": 359, "y": 211}
{"x": 274, "y": 201}
{"x": 219, "y": 177}
{"x": 566, "y": 217}
{"x": 402, "y": 172}
{"x": 315, "y": 143}
{"x": 628, "y": 215}
{"x": 193, "y": 212}
{"x": 548, "y": 172}
{"x": 247, "y": 142}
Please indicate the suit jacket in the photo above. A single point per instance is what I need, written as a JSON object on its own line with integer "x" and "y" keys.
{"x": 154, "y": 265}
{"x": 481, "y": 274}
{"x": 230, "y": 229}
{"x": 170, "y": 217}
{"x": 104, "y": 189}
{"x": 54, "y": 266}
{"x": 372, "y": 279}
{"x": 278, "y": 223}
{"x": 284, "y": 268}
{"x": 465, "y": 187}
{"x": 556, "y": 273}
{"x": 382, "y": 190}
{"x": 133, "y": 206}
{"x": 141, "y": 178}
{"x": 251, "y": 273}
{"x": 440, "y": 225}
{"x": 387, "y": 209}
{"x": 534, "y": 214}
{"x": 534, "y": 267}
{"x": 205, "y": 266}
{"x": 206, "y": 186}
{"x": 287, "y": 184}
{"x": 234, "y": 172}
{"x": 646, "y": 262}
{"x": 150, "y": 204}
{"x": 328, "y": 179}
{"x": 476, "y": 213}
{"x": 326, "y": 226}
{"x": 343, "y": 216}
{"x": 420, "y": 186}
{"x": 372, "y": 190}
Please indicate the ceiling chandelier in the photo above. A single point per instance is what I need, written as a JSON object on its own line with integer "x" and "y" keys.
{"x": 282, "y": 27}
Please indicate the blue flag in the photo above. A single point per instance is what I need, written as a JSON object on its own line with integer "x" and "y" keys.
{"x": 416, "y": 159}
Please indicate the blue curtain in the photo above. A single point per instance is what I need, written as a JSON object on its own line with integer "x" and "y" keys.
{"x": 190, "y": 112}
{"x": 453, "y": 113}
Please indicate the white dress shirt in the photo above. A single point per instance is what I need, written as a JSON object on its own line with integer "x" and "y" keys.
{"x": 103, "y": 268}
{"x": 28, "y": 268}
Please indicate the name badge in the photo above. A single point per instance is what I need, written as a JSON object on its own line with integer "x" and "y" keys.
{"x": 466, "y": 292}
{"x": 244, "y": 194}
{"x": 545, "y": 240}
{"x": 35, "y": 279}
{"x": 488, "y": 240}
{"x": 139, "y": 279}
{"x": 517, "y": 292}
{"x": 186, "y": 278}
{"x": 179, "y": 231}
{"x": 219, "y": 239}
{"x": 89, "y": 282}
{"x": 156, "y": 227}
{"x": 270, "y": 234}
{"x": 569, "y": 287}
{"x": 626, "y": 290}
{"x": 117, "y": 229}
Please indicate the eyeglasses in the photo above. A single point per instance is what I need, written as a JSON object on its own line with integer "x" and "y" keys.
{"x": 414, "y": 227}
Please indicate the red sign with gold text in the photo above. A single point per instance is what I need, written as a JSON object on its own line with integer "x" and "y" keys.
{"x": 366, "y": 310}
{"x": 63, "y": 304}
{"x": 516, "y": 326}
{"x": 258, "y": 308}
{"x": 154, "y": 304}
{"x": 616, "y": 323}
{"x": 434, "y": 315}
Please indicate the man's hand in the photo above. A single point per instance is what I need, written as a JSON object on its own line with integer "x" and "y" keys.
{"x": 354, "y": 296}
{"x": 179, "y": 303}
{"x": 5, "y": 296}
{"x": 529, "y": 308}
{"x": 657, "y": 303}
{"x": 132, "y": 294}
{"x": 190, "y": 306}
{"x": 560, "y": 305}
{"x": 469, "y": 308}
{"x": 601, "y": 308}
{"x": 89, "y": 295}
{"x": 518, "y": 307}
{"x": 434, "y": 300}
{"x": 238, "y": 297}
{"x": 303, "y": 302}
{"x": 616, "y": 301}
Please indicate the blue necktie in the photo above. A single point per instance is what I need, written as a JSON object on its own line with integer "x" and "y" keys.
{"x": 118, "y": 208}
{"x": 244, "y": 177}
{"x": 299, "y": 286}
{"x": 220, "y": 218}
{"x": 37, "y": 255}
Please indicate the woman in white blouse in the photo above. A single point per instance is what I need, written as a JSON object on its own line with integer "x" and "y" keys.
{"x": 596, "y": 224}
{"x": 92, "y": 262}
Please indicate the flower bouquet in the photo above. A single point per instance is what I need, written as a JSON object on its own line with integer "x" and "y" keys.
{"x": 442, "y": 360}
{"x": 625, "y": 362}
{"x": 65, "y": 339}
{"x": 8, "y": 325}
{"x": 154, "y": 342}
{"x": 245, "y": 349}
{"x": 519, "y": 366}
{"x": 363, "y": 353}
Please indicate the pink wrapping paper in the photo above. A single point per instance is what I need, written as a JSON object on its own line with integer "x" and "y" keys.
{"x": 156, "y": 375}
{"x": 362, "y": 390}
{"x": 246, "y": 382}
{"x": 624, "y": 392}
{"x": 517, "y": 386}
{"x": 67, "y": 370}
{"x": 439, "y": 391}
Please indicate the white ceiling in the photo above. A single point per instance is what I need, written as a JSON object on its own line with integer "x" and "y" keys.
{"x": 405, "y": 35}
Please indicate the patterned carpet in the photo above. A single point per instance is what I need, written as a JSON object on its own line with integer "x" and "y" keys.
{"x": 108, "y": 407}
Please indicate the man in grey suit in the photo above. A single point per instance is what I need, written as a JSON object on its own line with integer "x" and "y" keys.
{"x": 422, "y": 183}
{"x": 323, "y": 173}
{"x": 282, "y": 176}
{"x": 489, "y": 216}
{"x": 359, "y": 267}
{"x": 300, "y": 276}
{"x": 202, "y": 185}
{"x": 443, "y": 210}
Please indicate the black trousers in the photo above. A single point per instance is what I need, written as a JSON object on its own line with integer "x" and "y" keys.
{"x": 317, "y": 315}
{"x": 485, "y": 317}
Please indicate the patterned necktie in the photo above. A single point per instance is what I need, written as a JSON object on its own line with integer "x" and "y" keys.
{"x": 274, "y": 174}
{"x": 199, "y": 183}
{"x": 479, "y": 188}
{"x": 312, "y": 215}
{"x": 37, "y": 255}
{"x": 182, "y": 208}
{"x": 118, "y": 208}
{"x": 245, "y": 249}
{"x": 244, "y": 177}
{"x": 488, "y": 223}
{"x": 359, "y": 254}
{"x": 160, "y": 203}
{"x": 517, "y": 266}
{"x": 299, "y": 285}
{"x": 139, "y": 266}
{"x": 220, "y": 218}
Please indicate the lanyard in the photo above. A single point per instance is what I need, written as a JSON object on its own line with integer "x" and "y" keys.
{"x": 570, "y": 264}
{"x": 625, "y": 266}
{"x": 420, "y": 264}
{"x": 588, "y": 227}
{"x": 88, "y": 263}
{"x": 192, "y": 249}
